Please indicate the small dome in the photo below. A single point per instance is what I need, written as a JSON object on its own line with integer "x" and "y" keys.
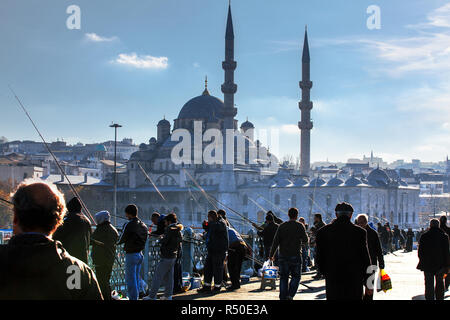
{"x": 300, "y": 182}
{"x": 100, "y": 148}
{"x": 142, "y": 146}
{"x": 247, "y": 125}
{"x": 152, "y": 140}
{"x": 378, "y": 178}
{"x": 317, "y": 182}
{"x": 335, "y": 182}
{"x": 164, "y": 123}
{"x": 283, "y": 183}
{"x": 353, "y": 182}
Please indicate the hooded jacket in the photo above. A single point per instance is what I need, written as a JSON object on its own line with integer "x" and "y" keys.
{"x": 171, "y": 241}
{"x": 35, "y": 267}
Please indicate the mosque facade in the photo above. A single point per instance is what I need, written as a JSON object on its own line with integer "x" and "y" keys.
{"x": 250, "y": 189}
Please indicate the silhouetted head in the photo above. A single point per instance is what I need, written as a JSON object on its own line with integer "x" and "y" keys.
{"x": 155, "y": 217}
{"x": 212, "y": 216}
{"x": 362, "y": 220}
{"x": 74, "y": 205}
{"x": 293, "y": 213}
{"x": 38, "y": 207}
{"x": 171, "y": 219}
{"x": 434, "y": 223}
{"x": 344, "y": 209}
{"x": 131, "y": 211}
{"x": 317, "y": 217}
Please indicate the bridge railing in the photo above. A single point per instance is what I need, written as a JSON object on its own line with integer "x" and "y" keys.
{"x": 192, "y": 258}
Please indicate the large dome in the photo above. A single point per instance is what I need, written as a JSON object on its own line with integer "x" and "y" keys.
{"x": 202, "y": 107}
{"x": 378, "y": 178}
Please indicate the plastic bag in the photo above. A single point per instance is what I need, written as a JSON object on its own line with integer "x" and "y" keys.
{"x": 385, "y": 281}
{"x": 269, "y": 271}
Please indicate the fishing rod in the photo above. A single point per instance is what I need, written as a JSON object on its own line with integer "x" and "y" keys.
{"x": 86, "y": 210}
{"x": 6, "y": 202}
{"x": 151, "y": 181}
{"x": 257, "y": 204}
{"x": 201, "y": 189}
{"x": 273, "y": 204}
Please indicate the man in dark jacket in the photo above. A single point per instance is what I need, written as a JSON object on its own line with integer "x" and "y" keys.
{"x": 409, "y": 240}
{"x": 375, "y": 251}
{"x": 104, "y": 240}
{"x": 446, "y": 229}
{"x": 434, "y": 260}
{"x": 397, "y": 237}
{"x": 75, "y": 232}
{"x": 317, "y": 225}
{"x": 267, "y": 233}
{"x": 217, "y": 246}
{"x": 343, "y": 256}
{"x": 134, "y": 236}
{"x": 32, "y": 265}
{"x": 170, "y": 246}
{"x": 288, "y": 240}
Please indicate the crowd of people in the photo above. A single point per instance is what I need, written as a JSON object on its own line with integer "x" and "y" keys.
{"x": 47, "y": 258}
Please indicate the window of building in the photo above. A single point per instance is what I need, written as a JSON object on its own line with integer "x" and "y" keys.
{"x": 294, "y": 200}
{"x": 245, "y": 200}
{"x": 346, "y": 198}
{"x": 277, "y": 199}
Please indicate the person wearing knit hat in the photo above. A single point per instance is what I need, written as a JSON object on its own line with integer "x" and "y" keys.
{"x": 103, "y": 253}
{"x": 342, "y": 256}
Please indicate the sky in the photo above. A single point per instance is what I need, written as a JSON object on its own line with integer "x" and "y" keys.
{"x": 135, "y": 62}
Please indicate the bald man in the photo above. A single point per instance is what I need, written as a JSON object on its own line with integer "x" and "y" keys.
{"x": 33, "y": 266}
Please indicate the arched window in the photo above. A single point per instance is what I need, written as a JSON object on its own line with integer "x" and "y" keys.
{"x": 294, "y": 200}
{"x": 245, "y": 200}
{"x": 328, "y": 200}
{"x": 261, "y": 216}
{"x": 277, "y": 199}
{"x": 346, "y": 198}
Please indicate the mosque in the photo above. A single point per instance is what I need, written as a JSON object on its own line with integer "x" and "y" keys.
{"x": 250, "y": 189}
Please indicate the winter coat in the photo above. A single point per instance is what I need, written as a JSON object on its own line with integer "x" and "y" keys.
{"x": 103, "y": 254}
{"x": 75, "y": 235}
{"x": 35, "y": 267}
{"x": 217, "y": 237}
{"x": 171, "y": 241}
{"x": 433, "y": 251}
{"x": 134, "y": 236}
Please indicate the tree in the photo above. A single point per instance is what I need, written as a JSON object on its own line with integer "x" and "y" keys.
{"x": 5, "y": 210}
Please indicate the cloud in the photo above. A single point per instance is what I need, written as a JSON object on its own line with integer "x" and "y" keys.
{"x": 196, "y": 65}
{"x": 93, "y": 37}
{"x": 142, "y": 61}
{"x": 439, "y": 17}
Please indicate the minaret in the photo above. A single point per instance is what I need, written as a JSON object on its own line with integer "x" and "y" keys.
{"x": 229, "y": 88}
{"x": 227, "y": 185}
{"x": 305, "y": 106}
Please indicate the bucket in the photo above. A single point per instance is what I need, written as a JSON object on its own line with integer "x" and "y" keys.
{"x": 196, "y": 282}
